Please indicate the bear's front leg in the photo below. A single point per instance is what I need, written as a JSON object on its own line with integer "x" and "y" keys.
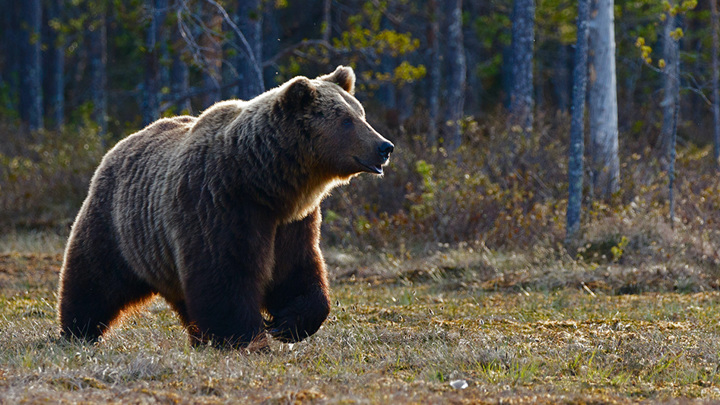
{"x": 223, "y": 312}
{"x": 223, "y": 279}
{"x": 297, "y": 300}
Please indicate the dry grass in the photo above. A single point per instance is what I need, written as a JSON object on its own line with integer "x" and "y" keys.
{"x": 32, "y": 241}
{"x": 400, "y": 332}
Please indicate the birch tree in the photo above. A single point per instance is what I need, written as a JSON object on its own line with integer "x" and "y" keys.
{"x": 671, "y": 86}
{"x": 577, "y": 142}
{"x": 605, "y": 164}
{"x": 673, "y": 150}
{"x": 456, "y": 70}
{"x": 671, "y": 101}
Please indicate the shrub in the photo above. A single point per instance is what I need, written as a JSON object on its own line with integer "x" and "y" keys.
{"x": 44, "y": 176}
{"x": 498, "y": 189}
{"x": 510, "y": 193}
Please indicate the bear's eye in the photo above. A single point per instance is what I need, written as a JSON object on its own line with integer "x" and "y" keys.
{"x": 347, "y": 123}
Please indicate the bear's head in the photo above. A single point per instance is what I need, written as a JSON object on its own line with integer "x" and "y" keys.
{"x": 342, "y": 143}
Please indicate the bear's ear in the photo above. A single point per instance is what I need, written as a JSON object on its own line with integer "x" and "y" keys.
{"x": 343, "y": 76}
{"x": 299, "y": 92}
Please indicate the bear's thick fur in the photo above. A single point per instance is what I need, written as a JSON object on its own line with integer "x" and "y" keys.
{"x": 220, "y": 215}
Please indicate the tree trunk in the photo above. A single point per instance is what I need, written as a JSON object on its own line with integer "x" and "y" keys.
{"x": 523, "y": 39}
{"x": 577, "y": 123}
{"x": 603, "y": 101}
{"x": 673, "y": 144}
{"x": 385, "y": 94}
{"x": 150, "y": 104}
{"x": 671, "y": 86}
{"x": 473, "y": 44}
{"x": 151, "y": 86}
{"x": 327, "y": 20}
{"x": 271, "y": 29}
{"x": 455, "y": 84}
{"x": 561, "y": 78}
{"x": 10, "y": 39}
{"x": 97, "y": 55}
{"x": 179, "y": 73}
{"x": 31, "y": 77}
{"x": 715, "y": 86}
{"x": 163, "y": 38}
{"x": 404, "y": 104}
{"x": 54, "y": 65}
{"x": 434, "y": 62}
{"x": 212, "y": 54}
{"x": 249, "y": 20}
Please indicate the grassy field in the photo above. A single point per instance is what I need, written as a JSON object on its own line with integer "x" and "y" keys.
{"x": 515, "y": 329}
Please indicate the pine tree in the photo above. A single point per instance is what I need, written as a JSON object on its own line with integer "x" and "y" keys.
{"x": 577, "y": 143}
{"x": 523, "y": 40}
{"x": 30, "y": 93}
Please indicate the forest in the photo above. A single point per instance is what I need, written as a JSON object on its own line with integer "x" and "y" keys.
{"x": 487, "y": 101}
{"x": 556, "y": 157}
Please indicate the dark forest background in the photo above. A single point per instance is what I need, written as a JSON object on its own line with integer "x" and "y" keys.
{"x": 480, "y": 98}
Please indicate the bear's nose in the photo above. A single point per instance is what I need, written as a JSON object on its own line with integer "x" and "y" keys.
{"x": 385, "y": 149}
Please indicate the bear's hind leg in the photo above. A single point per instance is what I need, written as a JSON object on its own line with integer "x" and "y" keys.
{"x": 96, "y": 284}
{"x": 88, "y": 307}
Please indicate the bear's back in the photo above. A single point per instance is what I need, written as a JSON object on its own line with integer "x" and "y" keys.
{"x": 214, "y": 121}
{"x": 135, "y": 178}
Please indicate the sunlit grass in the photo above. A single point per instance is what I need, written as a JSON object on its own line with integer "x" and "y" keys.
{"x": 394, "y": 336}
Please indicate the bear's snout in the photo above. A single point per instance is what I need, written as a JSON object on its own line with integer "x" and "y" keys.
{"x": 385, "y": 149}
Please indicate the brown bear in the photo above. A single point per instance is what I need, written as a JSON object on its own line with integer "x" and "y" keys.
{"x": 220, "y": 215}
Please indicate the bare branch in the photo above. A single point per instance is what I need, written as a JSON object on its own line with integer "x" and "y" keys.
{"x": 194, "y": 92}
{"x": 246, "y": 49}
{"x": 291, "y": 49}
{"x": 697, "y": 89}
